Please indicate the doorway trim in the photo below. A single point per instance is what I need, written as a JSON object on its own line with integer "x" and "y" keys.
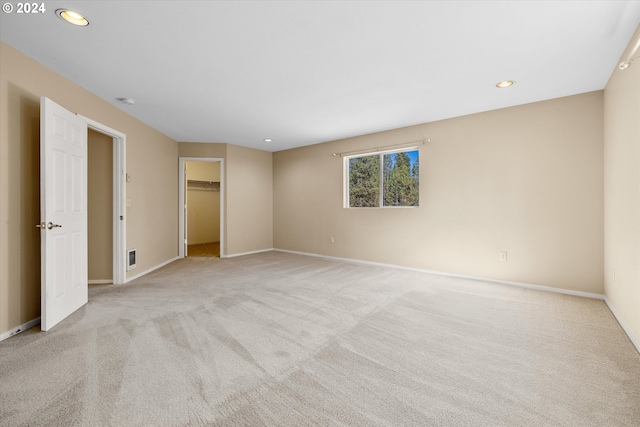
{"x": 182, "y": 198}
{"x": 119, "y": 197}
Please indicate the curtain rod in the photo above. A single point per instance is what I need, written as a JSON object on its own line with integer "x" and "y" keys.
{"x": 387, "y": 147}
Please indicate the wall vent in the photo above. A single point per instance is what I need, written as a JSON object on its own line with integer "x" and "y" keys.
{"x": 131, "y": 259}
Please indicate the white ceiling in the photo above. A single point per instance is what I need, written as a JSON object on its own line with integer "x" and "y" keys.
{"x": 304, "y": 72}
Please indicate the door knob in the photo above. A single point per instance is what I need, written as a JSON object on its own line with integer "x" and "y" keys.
{"x": 48, "y": 225}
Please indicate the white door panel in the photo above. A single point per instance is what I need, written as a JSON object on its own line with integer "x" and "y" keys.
{"x": 63, "y": 205}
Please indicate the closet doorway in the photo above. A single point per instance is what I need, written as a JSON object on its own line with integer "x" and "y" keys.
{"x": 201, "y": 218}
{"x": 99, "y": 208}
{"x": 106, "y": 194}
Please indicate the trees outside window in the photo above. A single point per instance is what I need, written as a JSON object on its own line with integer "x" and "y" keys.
{"x": 383, "y": 180}
{"x": 364, "y": 182}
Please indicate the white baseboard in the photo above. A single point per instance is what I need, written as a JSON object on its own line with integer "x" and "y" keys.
{"x": 129, "y": 279}
{"x": 101, "y": 282}
{"x": 19, "y": 329}
{"x": 634, "y": 341}
{"x": 460, "y": 276}
{"x": 248, "y": 253}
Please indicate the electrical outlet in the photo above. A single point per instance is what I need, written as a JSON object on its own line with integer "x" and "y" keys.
{"x": 332, "y": 240}
{"x": 503, "y": 256}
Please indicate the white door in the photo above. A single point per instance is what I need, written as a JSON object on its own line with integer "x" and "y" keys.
{"x": 63, "y": 213}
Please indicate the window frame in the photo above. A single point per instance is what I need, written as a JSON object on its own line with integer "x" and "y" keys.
{"x": 346, "y": 177}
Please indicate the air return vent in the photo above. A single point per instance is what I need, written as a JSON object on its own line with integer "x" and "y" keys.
{"x": 131, "y": 259}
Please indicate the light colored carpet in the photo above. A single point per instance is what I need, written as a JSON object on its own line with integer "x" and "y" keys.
{"x": 287, "y": 340}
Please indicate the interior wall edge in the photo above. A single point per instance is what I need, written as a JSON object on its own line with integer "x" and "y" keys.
{"x": 622, "y": 324}
{"x": 150, "y": 270}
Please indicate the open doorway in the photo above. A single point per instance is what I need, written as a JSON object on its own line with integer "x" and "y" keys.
{"x": 99, "y": 208}
{"x": 106, "y": 250}
{"x": 203, "y": 209}
{"x": 202, "y": 201}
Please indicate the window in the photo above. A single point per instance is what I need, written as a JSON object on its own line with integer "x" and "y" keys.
{"x": 388, "y": 179}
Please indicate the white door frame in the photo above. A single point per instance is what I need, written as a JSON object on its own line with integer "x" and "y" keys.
{"x": 182, "y": 199}
{"x": 119, "y": 197}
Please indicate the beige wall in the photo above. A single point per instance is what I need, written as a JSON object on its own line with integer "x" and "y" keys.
{"x": 100, "y": 206}
{"x": 203, "y": 213}
{"x": 196, "y": 149}
{"x": 250, "y": 200}
{"x": 622, "y": 194}
{"x": 151, "y": 161}
{"x": 204, "y": 171}
{"x": 527, "y": 180}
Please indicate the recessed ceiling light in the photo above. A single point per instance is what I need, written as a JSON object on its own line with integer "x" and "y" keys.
{"x": 127, "y": 101}
{"x": 268, "y": 140}
{"x": 505, "y": 83}
{"x": 72, "y": 17}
